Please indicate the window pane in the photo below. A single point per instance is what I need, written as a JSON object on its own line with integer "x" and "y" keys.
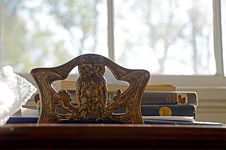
{"x": 223, "y": 18}
{"x": 51, "y": 32}
{"x": 166, "y": 37}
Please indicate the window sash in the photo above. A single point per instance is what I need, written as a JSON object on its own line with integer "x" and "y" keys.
{"x": 217, "y": 80}
{"x": 217, "y": 32}
{"x": 110, "y": 11}
{"x": 205, "y": 81}
{"x": 218, "y": 37}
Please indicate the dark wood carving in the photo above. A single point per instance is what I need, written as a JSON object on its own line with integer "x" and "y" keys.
{"x": 91, "y": 92}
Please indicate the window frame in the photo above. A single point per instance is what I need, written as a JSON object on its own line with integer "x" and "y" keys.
{"x": 217, "y": 30}
{"x": 217, "y": 80}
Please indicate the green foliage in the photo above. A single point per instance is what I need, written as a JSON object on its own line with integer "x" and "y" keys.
{"x": 27, "y": 44}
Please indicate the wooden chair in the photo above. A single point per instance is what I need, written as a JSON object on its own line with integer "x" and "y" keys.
{"x": 91, "y": 92}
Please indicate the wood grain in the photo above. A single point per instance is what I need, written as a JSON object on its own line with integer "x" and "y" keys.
{"x": 111, "y": 137}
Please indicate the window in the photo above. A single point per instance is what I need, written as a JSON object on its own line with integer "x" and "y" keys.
{"x": 165, "y": 37}
{"x": 51, "y": 32}
{"x": 169, "y": 38}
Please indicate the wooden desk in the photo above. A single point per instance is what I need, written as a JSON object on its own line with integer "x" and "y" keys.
{"x": 111, "y": 136}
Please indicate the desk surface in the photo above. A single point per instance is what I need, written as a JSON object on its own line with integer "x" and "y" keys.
{"x": 111, "y": 136}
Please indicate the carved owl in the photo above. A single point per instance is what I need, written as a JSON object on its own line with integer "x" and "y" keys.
{"x": 91, "y": 91}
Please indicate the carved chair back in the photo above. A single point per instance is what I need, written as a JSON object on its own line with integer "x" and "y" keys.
{"x": 91, "y": 92}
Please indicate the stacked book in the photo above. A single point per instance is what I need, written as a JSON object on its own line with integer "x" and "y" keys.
{"x": 159, "y": 101}
{"x": 177, "y": 105}
{"x": 164, "y": 102}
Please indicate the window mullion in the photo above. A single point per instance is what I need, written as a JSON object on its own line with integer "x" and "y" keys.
{"x": 1, "y": 33}
{"x": 218, "y": 37}
{"x": 110, "y": 8}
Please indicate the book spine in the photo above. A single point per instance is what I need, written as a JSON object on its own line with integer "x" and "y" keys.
{"x": 169, "y": 98}
{"x": 165, "y": 110}
{"x": 168, "y": 110}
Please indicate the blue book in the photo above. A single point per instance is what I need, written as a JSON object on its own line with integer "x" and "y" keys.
{"x": 167, "y": 98}
{"x": 22, "y": 120}
{"x": 165, "y": 110}
{"x": 170, "y": 97}
{"x": 168, "y": 110}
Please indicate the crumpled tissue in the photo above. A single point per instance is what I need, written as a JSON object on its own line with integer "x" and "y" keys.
{"x": 14, "y": 92}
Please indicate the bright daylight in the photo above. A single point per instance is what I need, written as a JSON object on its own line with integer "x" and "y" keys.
{"x": 165, "y": 37}
{"x": 113, "y": 74}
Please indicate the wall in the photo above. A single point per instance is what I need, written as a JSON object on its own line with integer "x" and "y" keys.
{"x": 211, "y": 104}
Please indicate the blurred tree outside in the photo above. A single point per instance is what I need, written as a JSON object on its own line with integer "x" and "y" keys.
{"x": 158, "y": 34}
{"x": 173, "y": 33}
{"x": 46, "y": 32}
{"x": 74, "y": 13}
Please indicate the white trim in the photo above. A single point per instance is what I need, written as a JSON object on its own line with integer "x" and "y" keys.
{"x": 218, "y": 37}
{"x": 110, "y": 26}
{"x": 1, "y": 33}
{"x": 184, "y": 81}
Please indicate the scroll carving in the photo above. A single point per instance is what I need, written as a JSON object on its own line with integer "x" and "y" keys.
{"x": 91, "y": 92}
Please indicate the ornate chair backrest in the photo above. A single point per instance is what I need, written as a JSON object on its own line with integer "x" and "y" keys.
{"x": 91, "y": 92}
